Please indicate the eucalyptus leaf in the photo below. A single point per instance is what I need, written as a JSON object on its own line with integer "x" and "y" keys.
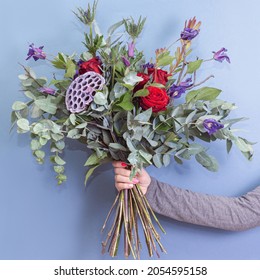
{"x": 144, "y": 116}
{"x": 117, "y": 146}
{"x": 23, "y": 124}
{"x": 157, "y": 160}
{"x": 92, "y": 160}
{"x": 207, "y": 161}
{"x": 166, "y": 159}
{"x": 59, "y": 160}
{"x": 100, "y": 98}
{"x": 132, "y": 78}
{"x": 46, "y": 105}
{"x": 74, "y": 134}
{"x": 90, "y": 172}
{"x": 18, "y": 105}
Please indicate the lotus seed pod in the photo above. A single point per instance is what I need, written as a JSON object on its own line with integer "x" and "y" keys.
{"x": 81, "y": 91}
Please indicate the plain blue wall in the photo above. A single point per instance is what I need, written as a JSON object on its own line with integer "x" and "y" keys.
{"x": 40, "y": 220}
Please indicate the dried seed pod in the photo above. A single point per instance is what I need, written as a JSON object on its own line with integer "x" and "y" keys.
{"x": 81, "y": 91}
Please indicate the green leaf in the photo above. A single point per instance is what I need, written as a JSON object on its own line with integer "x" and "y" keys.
{"x": 36, "y": 112}
{"x": 46, "y": 105}
{"x": 207, "y": 161}
{"x": 70, "y": 69}
{"x": 74, "y": 134}
{"x": 18, "y": 105}
{"x": 100, "y": 98}
{"x": 72, "y": 118}
{"x": 144, "y": 116}
{"x": 145, "y": 156}
{"x": 141, "y": 92}
{"x": 59, "y": 160}
{"x": 117, "y": 146}
{"x": 132, "y": 78}
{"x": 205, "y": 93}
{"x": 194, "y": 65}
{"x": 90, "y": 172}
{"x": 35, "y": 145}
{"x": 157, "y": 160}
{"x": 39, "y": 154}
{"x": 23, "y": 124}
{"x": 93, "y": 159}
{"x": 242, "y": 145}
{"x": 114, "y": 27}
{"x": 166, "y": 159}
{"x": 29, "y": 94}
{"x": 165, "y": 60}
{"x": 119, "y": 90}
{"x": 126, "y": 102}
{"x": 229, "y": 145}
{"x": 58, "y": 169}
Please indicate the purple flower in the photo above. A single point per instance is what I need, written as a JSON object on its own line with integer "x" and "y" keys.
{"x": 212, "y": 125}
{"x": 36, "y": 53}
{"x": 189, "y": 33}
{"x": 126, "y": 61}
{"x": 47, "y": 90}
{"x": 221, "y": 55}
{"x": 131, "y": 49}
{"x": 191, "y": 29}
{"x": 176, "y": 91}
{"x": 148, "y": 65}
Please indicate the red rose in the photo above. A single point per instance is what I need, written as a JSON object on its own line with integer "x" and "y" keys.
{"x": 157, "y": 99}
{"x": 159, "y": 76}
{"x": 141, "y": 84}
{"x": 94, "y": 64}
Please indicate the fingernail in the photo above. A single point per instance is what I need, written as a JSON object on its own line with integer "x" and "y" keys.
{"x": 135, "y": 181}
{"x": 123, "y": 164}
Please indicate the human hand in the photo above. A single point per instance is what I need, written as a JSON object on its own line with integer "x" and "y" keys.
{"x": 122, "y": 175}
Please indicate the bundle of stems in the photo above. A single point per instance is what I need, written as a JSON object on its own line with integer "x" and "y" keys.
{"x": 130, "y": 206}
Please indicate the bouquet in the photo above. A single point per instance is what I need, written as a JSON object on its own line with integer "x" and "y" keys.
{"x": 126, "y": 108}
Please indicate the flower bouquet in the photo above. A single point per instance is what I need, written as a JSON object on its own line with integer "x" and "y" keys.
{"x": 125, "y": 108}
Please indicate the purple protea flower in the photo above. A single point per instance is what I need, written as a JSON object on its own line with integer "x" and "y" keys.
{"x": 35, "y": 53}
{"x": 126, "y": 61}
{"x": 175, "y": 91}
{"x": 212, "y": 125}
{"x": 47, "y": 90}
{"x": 221, "y": 55}
{"x": 191, "y": 29}
{"x": 131, "y": 49}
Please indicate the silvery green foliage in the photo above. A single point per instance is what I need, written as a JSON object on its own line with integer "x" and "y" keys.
{"x": 113, "y": 125}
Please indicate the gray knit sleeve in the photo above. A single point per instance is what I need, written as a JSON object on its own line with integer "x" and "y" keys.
{"x": 228, "y": 213}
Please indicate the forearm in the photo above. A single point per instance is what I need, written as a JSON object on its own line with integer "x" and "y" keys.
{"x": 229, "y": 213}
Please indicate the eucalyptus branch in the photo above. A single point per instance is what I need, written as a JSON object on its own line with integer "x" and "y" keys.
{"x": 29, "y": 75}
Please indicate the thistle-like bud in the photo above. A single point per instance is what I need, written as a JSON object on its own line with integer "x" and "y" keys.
{"x": 134, "y": 29}
{"x": 87, "y": 16}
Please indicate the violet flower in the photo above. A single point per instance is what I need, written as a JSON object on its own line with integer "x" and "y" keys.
{"x": 221, "y": 55}
{"x": 148, "y": 65}
{"x": 191, "y": 29}
{"x": 176, "y": 91}
{"x": 35, "y": 53}
{"x": 212, "y": 125}
{"x": 126, "y": 61}
{"x": 47, "y": 90}
{"x": 131, "y": 49}
{"x": 189, "y": 33}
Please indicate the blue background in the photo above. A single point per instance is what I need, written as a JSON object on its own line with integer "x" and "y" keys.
{"x": 40, "y": 220}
